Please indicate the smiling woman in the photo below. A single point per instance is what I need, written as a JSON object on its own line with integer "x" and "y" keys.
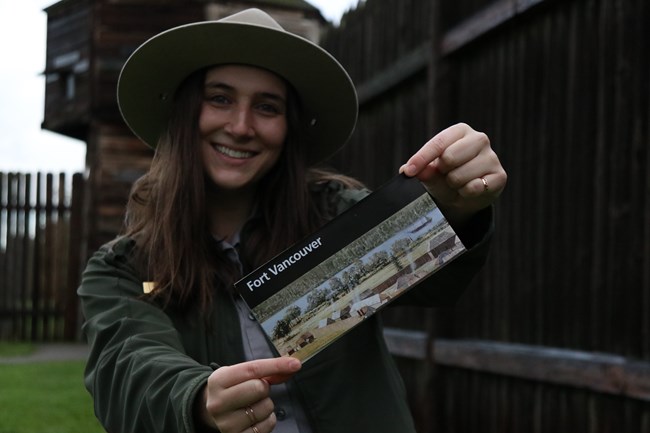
{"x": 239, "y": 130}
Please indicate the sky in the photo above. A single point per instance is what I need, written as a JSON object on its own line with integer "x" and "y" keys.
{"x": 24, "y": 146}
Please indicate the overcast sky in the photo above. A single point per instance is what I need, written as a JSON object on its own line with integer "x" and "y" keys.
{"x": 24, "y": 146}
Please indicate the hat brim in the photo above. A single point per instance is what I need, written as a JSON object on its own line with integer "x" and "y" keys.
{"x": 154, "y": 71}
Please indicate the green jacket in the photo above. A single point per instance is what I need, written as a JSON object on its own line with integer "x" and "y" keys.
{"x": 146, "y": 366}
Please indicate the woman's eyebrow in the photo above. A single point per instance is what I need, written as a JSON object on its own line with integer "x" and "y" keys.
{"x": 218, "y": 85}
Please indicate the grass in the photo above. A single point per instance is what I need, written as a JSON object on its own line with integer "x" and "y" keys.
{"x": 46, "y": 397}
{"x": 15, "y": 349}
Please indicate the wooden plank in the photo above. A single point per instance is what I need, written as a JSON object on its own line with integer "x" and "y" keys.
{"x": 12, "y": 223}
{"x": 24, "y": 270}
{"x": 38, "y": 260}
{"x": 400, "y": 70}
{"x": 601, "y": 372}
{"x": 486, "y": 20}
{"x": 76, "y": 257}
{"x": 60, "y": 259}
{"x": 48, "y": 251}
{"x": 5, "y": 319}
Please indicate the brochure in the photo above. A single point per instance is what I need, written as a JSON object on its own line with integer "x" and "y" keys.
{"x": 323, "y": 286}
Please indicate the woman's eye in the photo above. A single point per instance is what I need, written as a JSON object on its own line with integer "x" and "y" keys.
{"x": 269, "y": 108}
{"x": 218, "y": 99}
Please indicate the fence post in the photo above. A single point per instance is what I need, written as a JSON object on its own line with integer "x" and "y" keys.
{"x": 75, "y": 256}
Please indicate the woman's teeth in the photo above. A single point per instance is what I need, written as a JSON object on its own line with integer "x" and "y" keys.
{"x": 233, "y": 153}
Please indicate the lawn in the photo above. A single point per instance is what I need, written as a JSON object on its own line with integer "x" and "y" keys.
{"x": 45, "y": 397}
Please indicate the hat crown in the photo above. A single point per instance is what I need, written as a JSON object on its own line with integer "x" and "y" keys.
{"x": 254, "y": 17}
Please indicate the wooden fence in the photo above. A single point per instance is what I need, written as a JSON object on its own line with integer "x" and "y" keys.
{"x": 554, "y": 335}
{"x": 41, "y": 231}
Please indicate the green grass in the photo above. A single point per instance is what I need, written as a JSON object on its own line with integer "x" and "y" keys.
{"x": 45, "y": 397}
{"x": 15, "y": 349}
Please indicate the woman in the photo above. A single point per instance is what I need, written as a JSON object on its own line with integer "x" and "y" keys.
{"x": 239, "y": 112}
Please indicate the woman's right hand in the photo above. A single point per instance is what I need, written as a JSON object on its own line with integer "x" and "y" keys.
{"x": 236, "y": 398}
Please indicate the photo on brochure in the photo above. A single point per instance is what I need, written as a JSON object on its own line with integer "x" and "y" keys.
{"x": 323, "y": 286}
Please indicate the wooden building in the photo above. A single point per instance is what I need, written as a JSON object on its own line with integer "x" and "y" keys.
{"x": 88, "y": 41}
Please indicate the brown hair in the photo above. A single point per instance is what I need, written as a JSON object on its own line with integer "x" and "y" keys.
{"x": 167, "y": 209}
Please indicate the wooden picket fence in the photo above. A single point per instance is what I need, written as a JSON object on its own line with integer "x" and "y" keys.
{"x": 41, "y": 233}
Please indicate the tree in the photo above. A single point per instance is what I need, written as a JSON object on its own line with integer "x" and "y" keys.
{"x": 316, "y": 298}
{"x": 336, "y": 285}
{"x": 292, "y": 313}
{"x": 281, "y": 328}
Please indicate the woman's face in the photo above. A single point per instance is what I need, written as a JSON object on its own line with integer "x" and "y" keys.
{"x": 243, "y": 124}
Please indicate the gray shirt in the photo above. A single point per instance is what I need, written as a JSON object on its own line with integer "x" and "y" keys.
{"x": 288, "y": 409}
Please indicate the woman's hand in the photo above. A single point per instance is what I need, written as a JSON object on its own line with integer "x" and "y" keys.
{"x": 236, "y": 398}
{"x": 460, "y": 170}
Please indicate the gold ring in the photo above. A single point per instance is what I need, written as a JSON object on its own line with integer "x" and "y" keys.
{"x": 255, "y": 430}
{"x": 251, "y": 415}
{"x": 485, "y": 184}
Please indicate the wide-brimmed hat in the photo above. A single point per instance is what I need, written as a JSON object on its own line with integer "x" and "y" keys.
{"x": 151, "y": 75}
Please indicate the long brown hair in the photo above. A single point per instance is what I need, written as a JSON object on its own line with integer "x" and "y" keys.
{"x": 167, "y": 209}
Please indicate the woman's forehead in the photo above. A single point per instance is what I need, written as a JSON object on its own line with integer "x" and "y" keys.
{"x": 246, "y": 77}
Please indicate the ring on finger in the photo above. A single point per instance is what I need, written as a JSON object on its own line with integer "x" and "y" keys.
{"x": 485, "y": 184}
{"x": 250, "y": 413}
{"x": 254, "y": 428}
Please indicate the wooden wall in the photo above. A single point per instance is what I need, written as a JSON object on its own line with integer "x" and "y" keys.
{"x": 561, "y": 87}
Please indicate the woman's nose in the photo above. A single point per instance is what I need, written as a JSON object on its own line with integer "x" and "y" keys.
{"x": 240, "y": 124}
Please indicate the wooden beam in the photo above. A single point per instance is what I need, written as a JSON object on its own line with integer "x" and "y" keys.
{"x": 601, "y": 372}
{"x": 414, "y": 61}
{"x": 484, "y": 21}
{"x": 406, "y": 66}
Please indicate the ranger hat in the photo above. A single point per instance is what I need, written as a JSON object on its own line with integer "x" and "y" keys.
{"x": 151, "y": 75}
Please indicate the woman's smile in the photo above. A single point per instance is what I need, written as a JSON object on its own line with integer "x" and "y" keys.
{"x": 233, "y": 153}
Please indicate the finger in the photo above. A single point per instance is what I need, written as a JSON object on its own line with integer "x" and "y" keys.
{"x": 224, "y": 401}
{"x": 265, "y": 426}
{"x": 433, "y": 148}
{"x": 258, "y": 369}
{"x": 483, "y": 164}
{"x": 278, "y": 378}
{"x": 241, "y": 418}
{"x": 461, "y": 152}
{"x": 257, "y": 412}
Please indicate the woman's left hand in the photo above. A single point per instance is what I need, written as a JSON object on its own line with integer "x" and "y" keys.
{"x": 460, "y": 170}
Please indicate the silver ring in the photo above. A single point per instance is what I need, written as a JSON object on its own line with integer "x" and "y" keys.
{"x": 485, "y": 184}
{"x": 255, "y": 430}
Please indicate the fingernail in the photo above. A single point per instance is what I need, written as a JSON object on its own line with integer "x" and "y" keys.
{"x": 401, "y": 169}
{"x": 295, "y": 364}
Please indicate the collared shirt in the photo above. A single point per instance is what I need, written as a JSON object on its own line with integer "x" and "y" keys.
{"x": 288, "y": 410}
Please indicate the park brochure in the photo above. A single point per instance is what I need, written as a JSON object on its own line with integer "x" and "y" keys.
{"x": 323, "y": 286}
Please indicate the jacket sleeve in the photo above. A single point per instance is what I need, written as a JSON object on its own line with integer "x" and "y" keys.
{"x": 138, "y": 373}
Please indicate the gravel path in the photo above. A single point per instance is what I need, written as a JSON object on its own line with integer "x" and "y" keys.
{"x": 51, "y": 352}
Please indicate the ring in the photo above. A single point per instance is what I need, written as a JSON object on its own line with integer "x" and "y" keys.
{"x": 251, "y": 416}
{"x": 255, "y": 430}
{"x": 485, "y": 184}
